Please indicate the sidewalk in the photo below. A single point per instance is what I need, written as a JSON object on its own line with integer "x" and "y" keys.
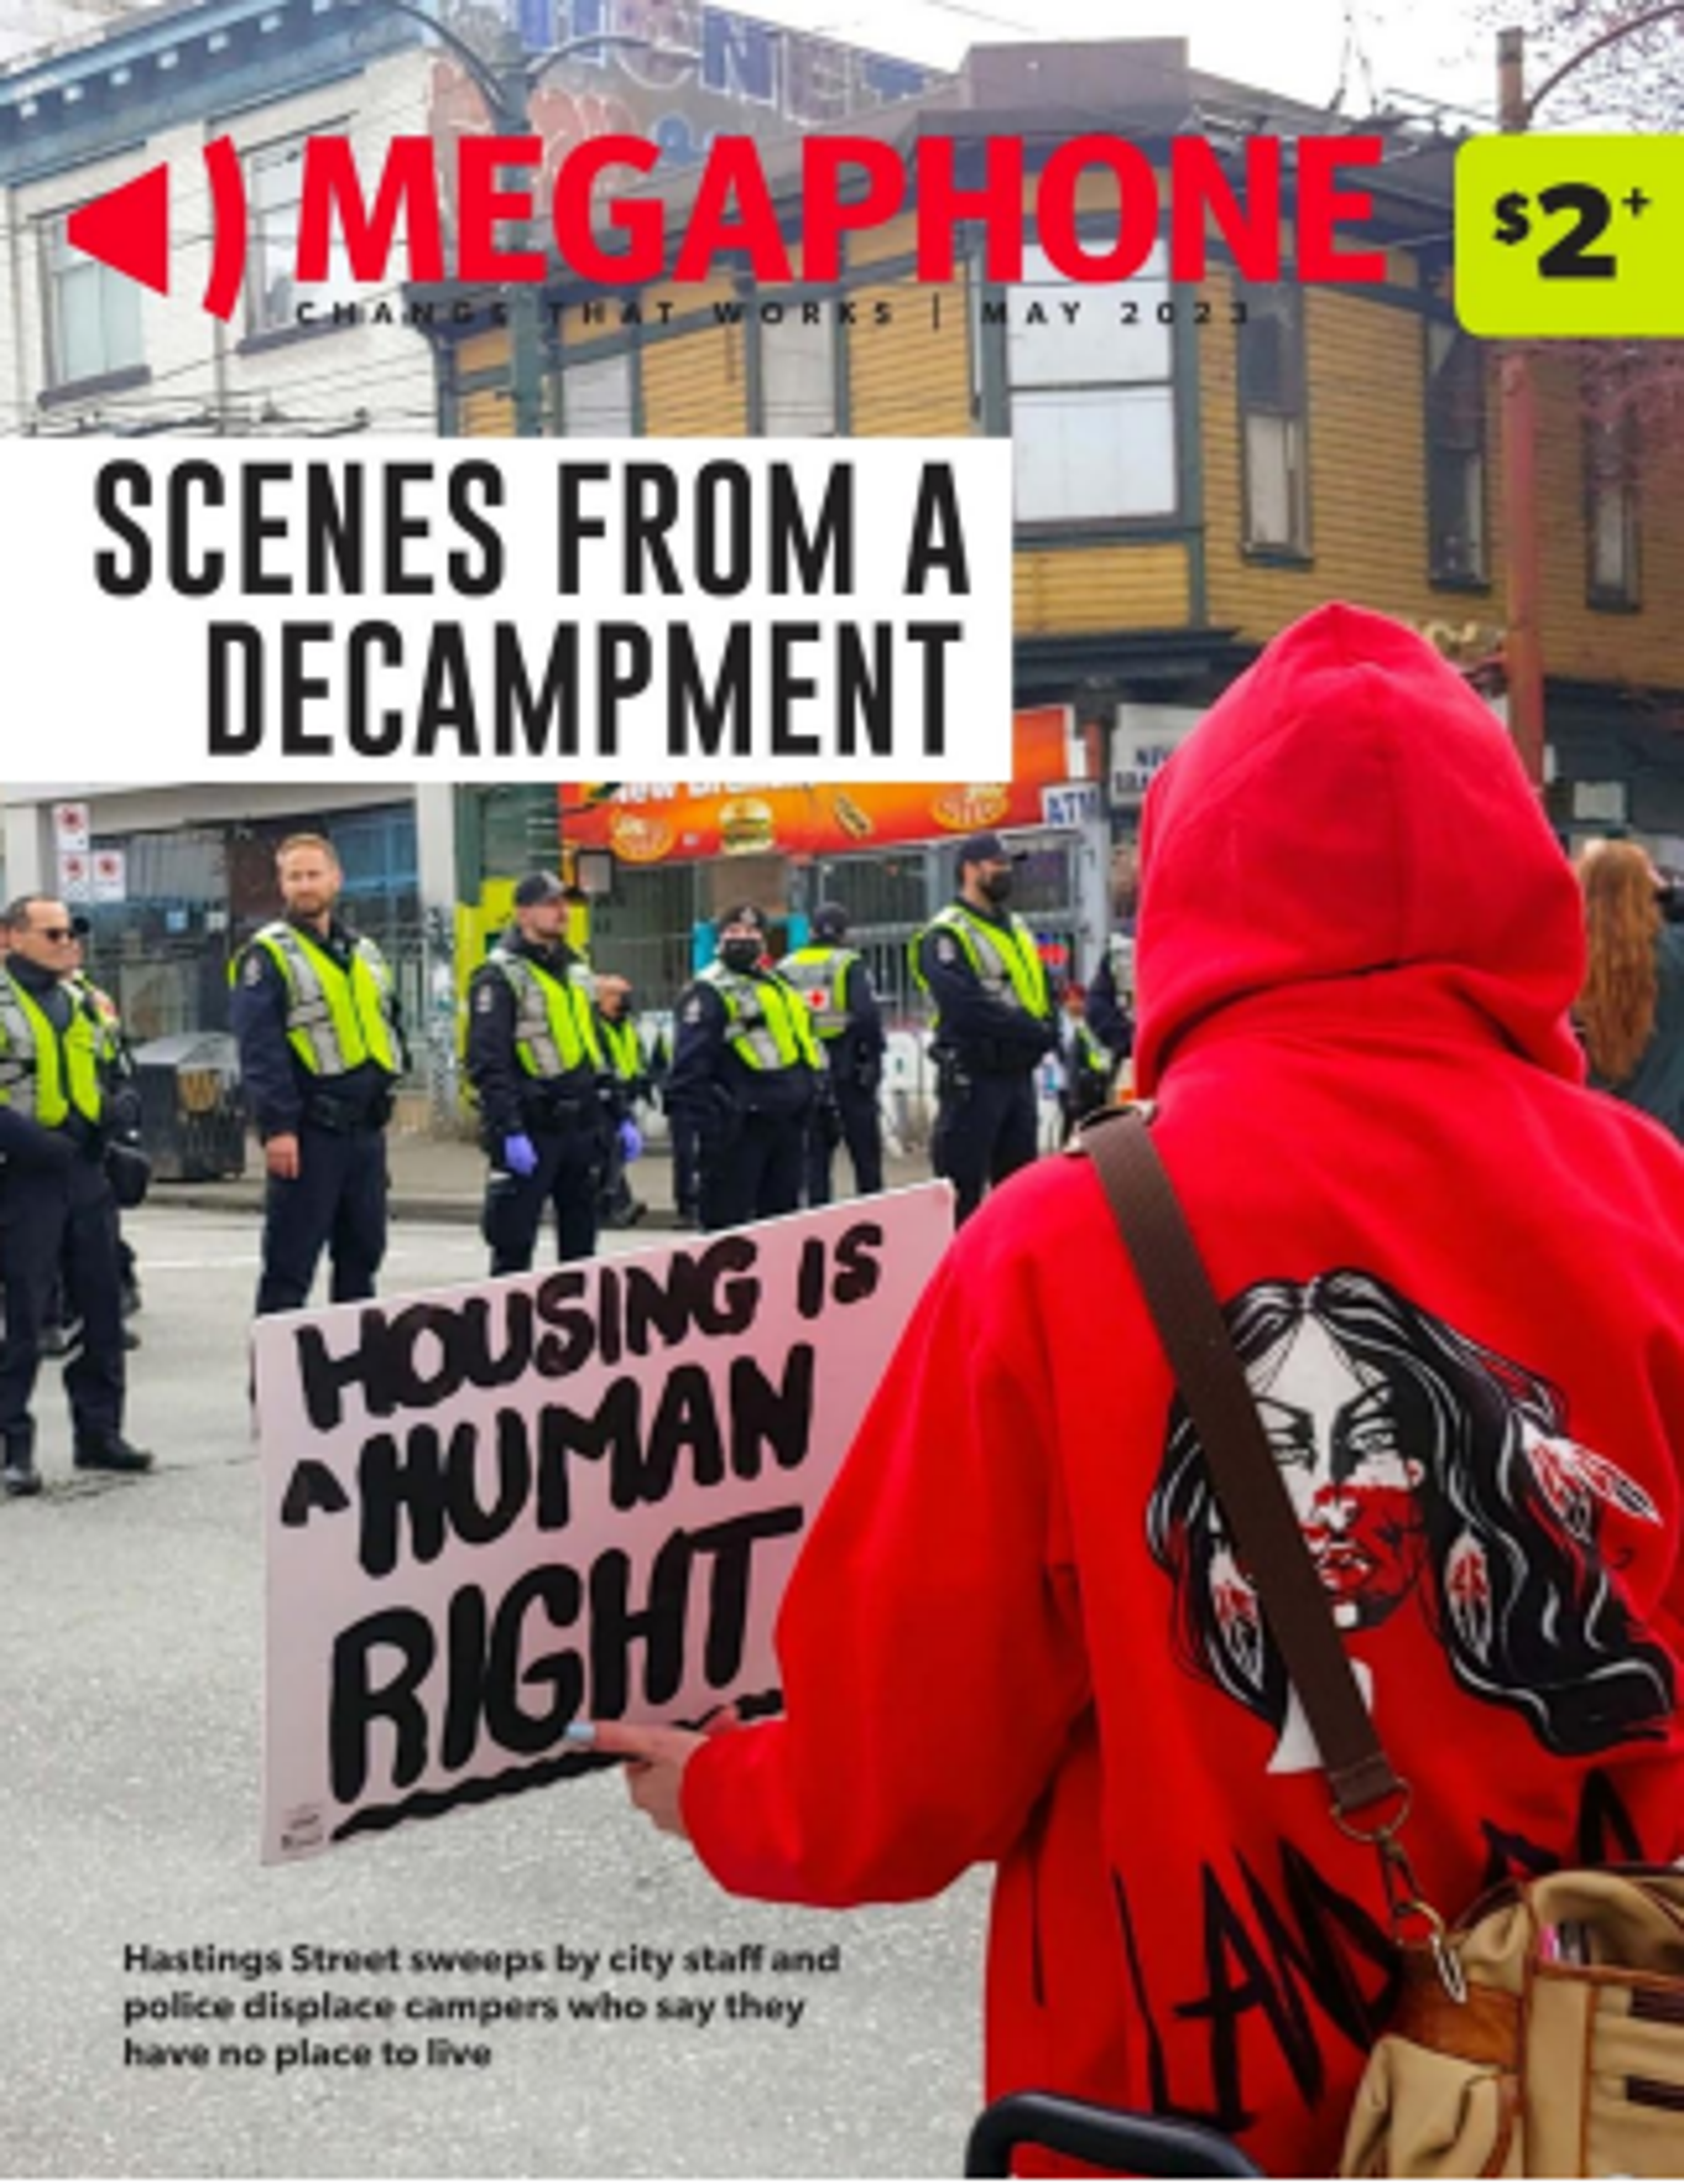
{"x": 443, "y": 1179}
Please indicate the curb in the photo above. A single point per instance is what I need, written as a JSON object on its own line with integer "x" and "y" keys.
{"x": 454, "y": 1209}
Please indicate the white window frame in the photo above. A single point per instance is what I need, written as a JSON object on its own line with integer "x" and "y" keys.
{"x": 1072, "y": 389}
{"x": 1472, "y": 564}
{"x": 273, "y": 303}
{"x": 122, "y": 329}
{"x": 1274, "y": 427}
{"x": 1612, "y": 510}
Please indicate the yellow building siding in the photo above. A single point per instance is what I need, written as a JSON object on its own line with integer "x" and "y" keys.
{"x": 1368, "y": 488}
{"x": 911, "y": 374}
{"x": 486, "y": 351}
{"x": 1581, "y": 641}
{"x": 1100, "y": 588}
{"x": 488, "y": 415}
{"x": 1367, "y": 463}
{"x": 696, "y": 386}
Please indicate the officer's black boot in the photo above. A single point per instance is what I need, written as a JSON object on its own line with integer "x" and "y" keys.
{"x": 107, "y": 1450}
{"x": 18, "y": 1475}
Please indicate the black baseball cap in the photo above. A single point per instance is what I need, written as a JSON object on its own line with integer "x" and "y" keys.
{"x": 986, "y": 848}
{"x": 742, "y": 913}
{"x": 830, "y": 921}
{"x": 537, "y": 887}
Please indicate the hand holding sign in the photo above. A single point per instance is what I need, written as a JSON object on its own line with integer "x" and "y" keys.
{"x": 656, "y": 1757}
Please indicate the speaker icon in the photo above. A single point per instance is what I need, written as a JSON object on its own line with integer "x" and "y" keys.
{"x": 128, "y": 228}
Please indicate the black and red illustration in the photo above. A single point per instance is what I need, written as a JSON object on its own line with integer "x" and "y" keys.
{"x": 1431, "y": 1476}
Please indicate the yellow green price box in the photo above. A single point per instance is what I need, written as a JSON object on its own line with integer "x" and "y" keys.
{"x": 1579, "y": 237}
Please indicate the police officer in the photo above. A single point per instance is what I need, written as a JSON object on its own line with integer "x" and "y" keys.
{"x": 546, "y": 1102}
{"x": 1111, "y": 997}
{"x": 315, "y": 1014}
{"x": 623, "y": 1050}
{"x": 993, "y": 1022}
{"x": 832, "y": 979}
{"x": 55, "y": 1201}
{"x": 1087, "y": 1065}
{"x": 747, "y": 1069}
{"x": 126, "y": 1165}
{"x": 681, "y": 1129}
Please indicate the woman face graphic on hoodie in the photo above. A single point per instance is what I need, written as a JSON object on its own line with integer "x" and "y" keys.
{"x": 1333, "y": 1427}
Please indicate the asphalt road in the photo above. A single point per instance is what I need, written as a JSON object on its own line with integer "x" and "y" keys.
{"x": 130, "y": 1631}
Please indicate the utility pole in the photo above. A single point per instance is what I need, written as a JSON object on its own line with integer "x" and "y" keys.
{"x": 505, "y": 84}
{"x": 1523, "y": 646}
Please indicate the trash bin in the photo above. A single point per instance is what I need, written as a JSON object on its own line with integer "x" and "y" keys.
{"x": 193, "y": 1116}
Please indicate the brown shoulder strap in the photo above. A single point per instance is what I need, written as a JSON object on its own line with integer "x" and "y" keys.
{"x": 1244, "y": 1474}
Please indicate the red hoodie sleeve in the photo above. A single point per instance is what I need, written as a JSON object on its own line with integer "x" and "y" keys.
{"x": 929, "y": 1640}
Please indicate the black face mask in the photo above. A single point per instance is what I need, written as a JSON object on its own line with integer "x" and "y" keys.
{"x": 997, "y": 887}
{"x": 740, "y": 956}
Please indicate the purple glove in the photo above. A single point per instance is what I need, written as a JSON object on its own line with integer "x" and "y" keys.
{"x": 631, "y": 1141}
{"x": 520, "y": 1155}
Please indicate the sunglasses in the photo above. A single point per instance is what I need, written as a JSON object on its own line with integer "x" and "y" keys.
{"x": 58, "y": 932}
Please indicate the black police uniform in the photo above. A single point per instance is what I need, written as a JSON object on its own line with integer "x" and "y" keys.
{"x": 336, "y": 1201}
{"x": 750, "y": 1123}
{"x": 1110, "y": 1003}
{"x": 618, "y": 1204}
{"x": 1088, "y": 1073}
{"x": 681, "y": 1127}
{"x": 853, "y": 1050}
{"x": 56, "y": 1212}
{"x": 986, "y": 1048}
{"x": 566, "y": 1116}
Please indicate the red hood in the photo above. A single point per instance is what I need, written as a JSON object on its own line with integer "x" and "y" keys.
{"x": 1350, "y": 806}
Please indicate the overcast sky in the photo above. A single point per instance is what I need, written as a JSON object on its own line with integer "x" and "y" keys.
{"x": 1435, "y": 48}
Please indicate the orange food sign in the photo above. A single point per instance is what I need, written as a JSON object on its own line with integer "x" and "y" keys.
{"x": 654, "y": 823}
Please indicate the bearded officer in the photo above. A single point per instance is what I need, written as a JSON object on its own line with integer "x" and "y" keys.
{"x": 546, "y": 1100}
{"x": 315, "y": 1013}
{"x": 992, "y": 1021}
{"x": 748, "y": 1070}
{"x": 832, "y": 980}
{"x": 56, "y": 1207}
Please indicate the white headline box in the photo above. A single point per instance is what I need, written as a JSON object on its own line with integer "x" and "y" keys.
{"x": 774, "y": 611}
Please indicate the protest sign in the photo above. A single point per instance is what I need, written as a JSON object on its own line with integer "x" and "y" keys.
{"x": 490, "y": 1511}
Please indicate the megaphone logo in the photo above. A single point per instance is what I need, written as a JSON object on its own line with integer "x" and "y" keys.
{"x": 128, "y": 228}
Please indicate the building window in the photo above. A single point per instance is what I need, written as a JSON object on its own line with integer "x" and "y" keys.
{"x": 1456, "y": 457}
{"x": 597, "y": 398}
{"x": 93, "y": 315}
{"x": 1610, "y": 501}
{"x": 1089, "y": 370}
{"x": 1274, "y": 431}
{"x": 798, "y": 371}
{"x": 275, "y": 176}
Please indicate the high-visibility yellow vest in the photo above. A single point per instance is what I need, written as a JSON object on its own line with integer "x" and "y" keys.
{"x": 625, "y": 1050}
{"x": 1089, "y": 1054}
{"x": 1004, "y": 958}
{"x": 45, "y": 1073}
{"x": 554, "y": 1026}
{"x": 769, "y": 1024}
{"x": 337, "y": 1019}
{"x": 102, "y": 1012}
{"x": 820, "y": 976}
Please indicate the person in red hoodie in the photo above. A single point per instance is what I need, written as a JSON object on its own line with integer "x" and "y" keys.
{"x": 1017, "y": 1632}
